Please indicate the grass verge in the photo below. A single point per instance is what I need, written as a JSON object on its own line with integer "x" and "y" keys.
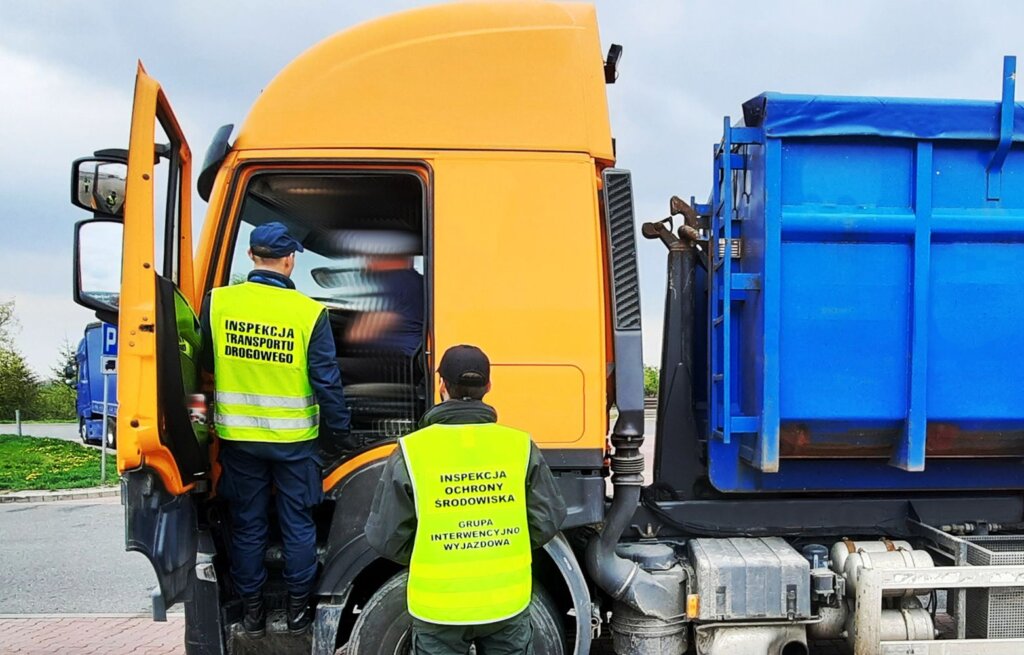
{"x": 44, "y": 463}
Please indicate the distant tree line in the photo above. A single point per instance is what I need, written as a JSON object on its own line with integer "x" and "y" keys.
{"x": 49, "y": 399}
{"x": 651, "y": 374}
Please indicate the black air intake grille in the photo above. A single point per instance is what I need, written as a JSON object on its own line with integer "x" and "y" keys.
{"x": 618, "y": 211}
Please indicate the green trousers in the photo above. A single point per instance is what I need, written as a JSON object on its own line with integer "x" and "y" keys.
{"x": 509, "y": 637}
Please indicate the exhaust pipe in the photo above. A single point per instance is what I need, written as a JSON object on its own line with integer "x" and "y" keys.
{"x": 656, "y": 596}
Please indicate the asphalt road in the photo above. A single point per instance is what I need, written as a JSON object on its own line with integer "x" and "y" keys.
{"x": 66, "y": 431}
{"x": 69, "y": 557}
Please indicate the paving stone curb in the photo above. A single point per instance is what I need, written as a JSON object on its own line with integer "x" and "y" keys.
{"x": 173, "y": 614}
{"x": 38, "y": 496}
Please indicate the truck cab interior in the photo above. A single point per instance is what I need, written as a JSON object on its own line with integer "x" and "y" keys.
{"x": 364, "y": 259}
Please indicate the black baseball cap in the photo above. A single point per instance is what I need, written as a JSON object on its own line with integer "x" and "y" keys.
{"x": 465, "y": 366}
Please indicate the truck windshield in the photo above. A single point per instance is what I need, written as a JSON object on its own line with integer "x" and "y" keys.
{"x": 363, "y": 259}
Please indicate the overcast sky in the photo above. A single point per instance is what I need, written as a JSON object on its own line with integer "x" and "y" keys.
{"x": 67, "y": 71}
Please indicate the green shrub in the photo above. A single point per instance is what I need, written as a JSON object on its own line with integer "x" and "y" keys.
{"x": 651, "y": 374}
{"x": 55, "y": 401}
{"x": 18, "y": 385}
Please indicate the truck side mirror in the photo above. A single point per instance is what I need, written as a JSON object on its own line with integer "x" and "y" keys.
{"x": 98, "y": 244}
{"x": 98, "y": 185}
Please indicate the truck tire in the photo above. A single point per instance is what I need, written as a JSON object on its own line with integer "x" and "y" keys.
{"x": 384, "y": 626}
{"x": 83, "y": 431}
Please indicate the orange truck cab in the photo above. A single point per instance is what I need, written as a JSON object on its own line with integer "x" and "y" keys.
{"x": 478, "y": 132}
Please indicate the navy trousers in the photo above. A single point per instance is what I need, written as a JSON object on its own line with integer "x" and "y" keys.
{"x": 248, "y": 471}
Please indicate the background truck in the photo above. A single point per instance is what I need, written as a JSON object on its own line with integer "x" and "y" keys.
{"x": 840, "y": 423}
{"x": 89, "y": 403}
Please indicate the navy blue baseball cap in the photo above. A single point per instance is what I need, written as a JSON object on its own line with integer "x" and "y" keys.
{"x": 271, "y": 240}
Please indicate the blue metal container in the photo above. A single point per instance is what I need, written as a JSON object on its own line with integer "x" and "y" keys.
{"x": 867, "y": 331}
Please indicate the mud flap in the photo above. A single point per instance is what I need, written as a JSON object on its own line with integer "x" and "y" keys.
{"x": 163, "y": 528}
{"x": 325, "y": 626}
{"x": 204, "y": 628}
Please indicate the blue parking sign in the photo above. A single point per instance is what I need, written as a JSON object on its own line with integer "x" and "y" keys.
{"x": 109, "y": 340}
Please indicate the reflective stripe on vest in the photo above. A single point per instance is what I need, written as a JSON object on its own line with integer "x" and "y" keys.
{"x": 236, "y": 421}
{"x": 471, "y": 557}
{"x": 263, "y": 400}
{"x": 260, "y": 341}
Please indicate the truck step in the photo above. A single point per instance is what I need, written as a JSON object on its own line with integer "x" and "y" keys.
{"x": 278, "y": 641}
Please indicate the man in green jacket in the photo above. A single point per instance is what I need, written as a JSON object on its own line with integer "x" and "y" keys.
{"x": 464, "y": 501}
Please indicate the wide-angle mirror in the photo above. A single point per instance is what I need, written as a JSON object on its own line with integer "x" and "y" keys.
{"x": 98, "y": 245}
{"x": 98, "y": 185}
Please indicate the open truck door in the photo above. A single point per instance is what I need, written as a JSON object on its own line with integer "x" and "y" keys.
{"x": 161, "y": 454}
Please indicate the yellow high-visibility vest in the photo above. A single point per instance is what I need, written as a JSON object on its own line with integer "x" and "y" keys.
{"x": 471, "y": 557}
{"x": 260, "y": 341}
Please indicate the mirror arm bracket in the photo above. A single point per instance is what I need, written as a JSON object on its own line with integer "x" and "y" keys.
{"x": 120, "y": 154}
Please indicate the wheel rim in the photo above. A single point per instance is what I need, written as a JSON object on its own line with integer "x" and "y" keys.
{"x": 404, "y": 646}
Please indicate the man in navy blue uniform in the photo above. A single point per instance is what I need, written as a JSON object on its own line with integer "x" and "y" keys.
{"x": 266, "y": 437}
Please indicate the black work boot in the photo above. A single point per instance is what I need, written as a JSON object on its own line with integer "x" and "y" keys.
{"x": 254, "y": 621}
{"x": 300, "y": 613}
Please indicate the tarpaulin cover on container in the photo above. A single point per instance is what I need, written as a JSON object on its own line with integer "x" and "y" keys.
{"x": 867, "y": 332}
